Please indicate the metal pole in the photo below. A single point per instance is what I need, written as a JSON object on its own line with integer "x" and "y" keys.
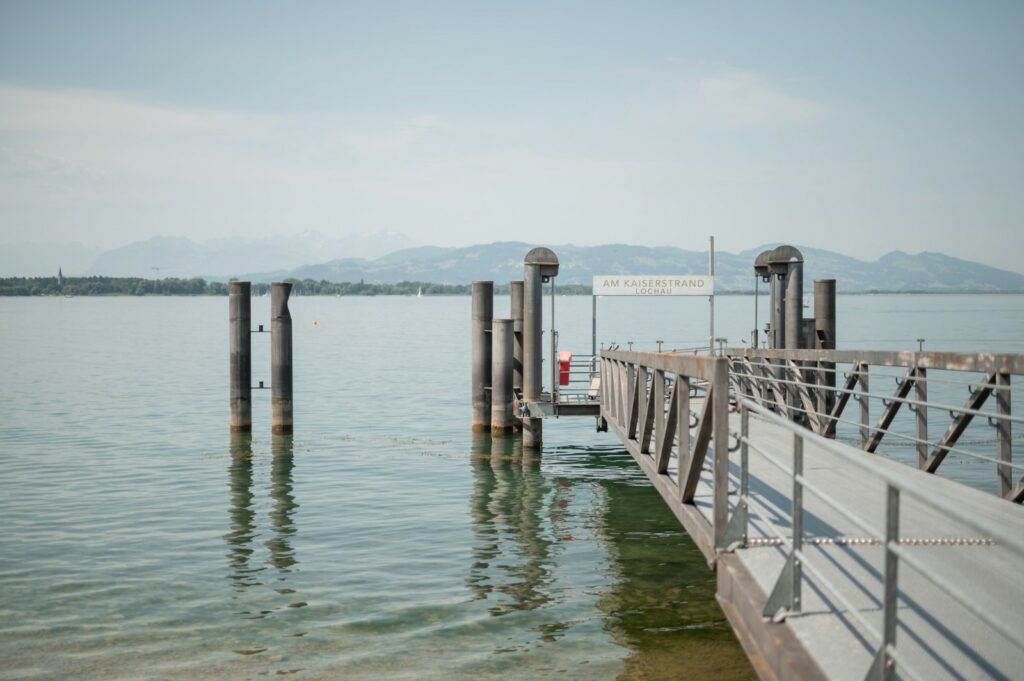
{"x": 554, "y": 347}
{"x": 240, "y": 347}
{"x": 777, "y": 337}
{"x": 501, "y": 376}
{"x": 794, "y": 306}
{"x": 532, "y": 349}
{"x": 711, "y": 298}
{"x": 593, "y": 332}
{"x": 515, "y": 290}
{"x": 798, "y": 520}
{"x": 1004, "y": 435}
{"x": 892, "y": 591}
{"x": 825, "y": 333}
{"x": 280, "y": 358}
{"x": 720, "y": 438}
{"x": 753, "y": 339}
{"x": 483, "y": 312}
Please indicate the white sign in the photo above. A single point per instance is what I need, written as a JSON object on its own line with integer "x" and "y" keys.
{"x": 655, "y": 285}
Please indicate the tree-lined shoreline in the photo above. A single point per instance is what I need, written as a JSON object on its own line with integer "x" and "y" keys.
{"x": 197, "y": 286}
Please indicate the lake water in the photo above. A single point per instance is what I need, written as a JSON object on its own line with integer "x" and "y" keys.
{"x": 141, "y": 540}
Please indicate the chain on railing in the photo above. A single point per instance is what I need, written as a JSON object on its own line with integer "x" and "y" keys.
{"x": 786, "y": 598}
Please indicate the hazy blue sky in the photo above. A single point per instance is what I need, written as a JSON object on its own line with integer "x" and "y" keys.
{"x": 863, "y": 128}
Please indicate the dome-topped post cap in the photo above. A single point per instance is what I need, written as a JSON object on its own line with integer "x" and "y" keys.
{"x": 545, "y": 259}
{"x": 779, "y": 259}
{"x": 761, "y": 263}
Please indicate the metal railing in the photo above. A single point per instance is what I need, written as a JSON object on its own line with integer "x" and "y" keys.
{"x": 647, "y": 398}
{"x": 814, "y": 388}
{"x": 786, "y": 597}
{"x": 636, "y": 388}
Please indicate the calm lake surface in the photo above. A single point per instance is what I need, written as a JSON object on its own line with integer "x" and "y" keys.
{"x": 141, "y": 540}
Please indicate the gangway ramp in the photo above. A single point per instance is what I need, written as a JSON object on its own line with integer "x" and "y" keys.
{"x": 890, "y": 572}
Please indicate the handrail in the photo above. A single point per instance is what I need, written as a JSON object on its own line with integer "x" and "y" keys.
{"x": 806, "y": 382}
{"x": 981, "y": 362}
{"x": 647, "y": 397}
{"x": 787, "y": 591}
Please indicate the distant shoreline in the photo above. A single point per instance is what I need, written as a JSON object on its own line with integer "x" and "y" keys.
{"x": 139, "y": 287}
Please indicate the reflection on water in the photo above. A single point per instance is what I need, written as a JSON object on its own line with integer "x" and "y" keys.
{"x": 248, "y": 572}
{"x": 282, "y": 555}
{"x": 662, "y": 604}
{"x": 660, "y": 601}
{"x": 241, "y": 514}
{"x": 512, "y": 557}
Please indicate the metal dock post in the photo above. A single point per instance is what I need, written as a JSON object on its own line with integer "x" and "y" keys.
{"x": 240, "y": 344}
{"x": 515, "y": 290}
{"x": 280, "y": 358}
{"x": 483, "y": 313}
{"x": 532, "y": 350}
{"x": 501, "y": 376}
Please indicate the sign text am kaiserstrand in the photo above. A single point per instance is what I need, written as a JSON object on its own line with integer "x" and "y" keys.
{"x": 654, "y": 285}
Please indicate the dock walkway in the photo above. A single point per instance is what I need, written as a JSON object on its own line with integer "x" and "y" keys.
{"x": 836, "y": 628}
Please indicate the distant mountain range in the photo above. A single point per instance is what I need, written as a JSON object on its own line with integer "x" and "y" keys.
{"x": 503, "y": 261}
{"x": 181, "y": 257}
{"x": 385, "y": 257}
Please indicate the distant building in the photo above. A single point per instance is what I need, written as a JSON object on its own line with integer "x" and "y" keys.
{"x": 60, "y": 279}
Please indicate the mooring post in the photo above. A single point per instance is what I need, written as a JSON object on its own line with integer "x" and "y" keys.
{"x": 777, "y": 336}
{"x": 539, "y": 266}
{"x": 794, "y": 326}
{"x": 280, "y": 358}
{"x": 825, "y": 335}
{"x": 483, "y": 313}
{"x": 532, "y": 351}
{"x": 501, "y": 376}
{"x": 515, "y": 290}
{"x": 794, "y": 306}
{"x": 240, "y": 344}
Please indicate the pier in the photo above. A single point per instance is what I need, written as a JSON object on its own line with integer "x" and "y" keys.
{"x": 832, "y": 562}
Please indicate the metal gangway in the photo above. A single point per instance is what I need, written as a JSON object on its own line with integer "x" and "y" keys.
{"x": 833, "y": 561}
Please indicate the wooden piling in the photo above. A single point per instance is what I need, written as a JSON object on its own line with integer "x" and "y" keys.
{"x": 501, "y": 376}
{"x": 240, "y": 344}
{"x": 483, "y": 314}
{"x": 280, "y": 358}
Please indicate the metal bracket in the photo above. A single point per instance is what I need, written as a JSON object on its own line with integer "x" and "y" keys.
{"x": 735, "y": 535}
{"x": 876, "y": 672}
{"x": 780, "y": 602}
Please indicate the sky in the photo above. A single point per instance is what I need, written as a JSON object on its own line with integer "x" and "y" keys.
{"x": 859, "y": 127}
